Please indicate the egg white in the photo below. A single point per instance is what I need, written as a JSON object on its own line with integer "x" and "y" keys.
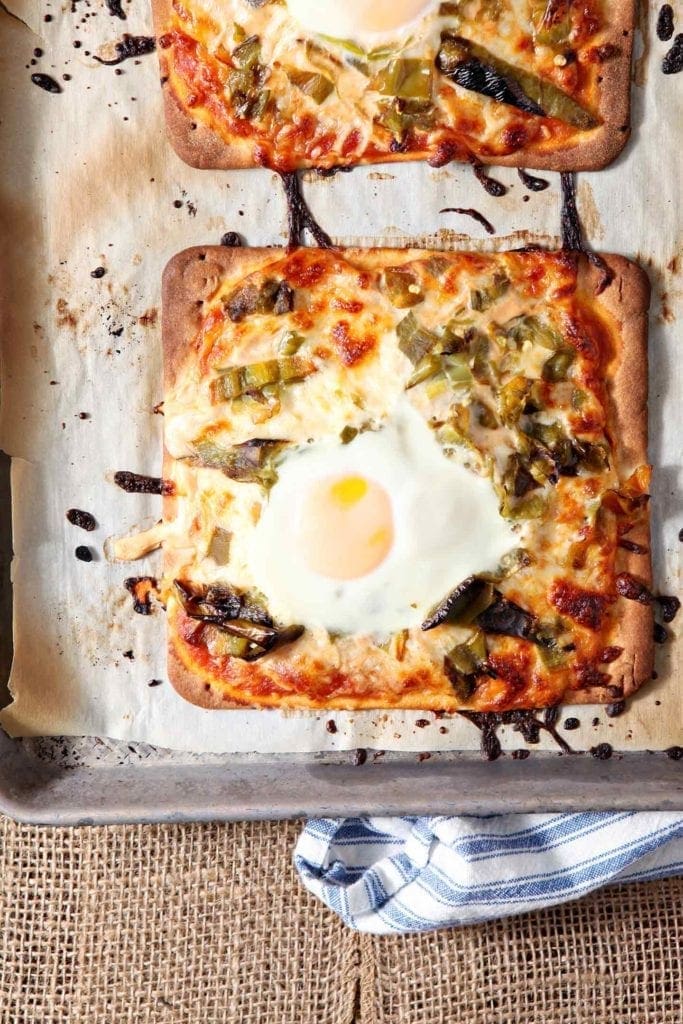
{"x": 368, "y": 24}
{"x": 447, "y": 526}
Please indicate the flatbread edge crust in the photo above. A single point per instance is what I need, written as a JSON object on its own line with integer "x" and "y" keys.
{"x": 190, "y": 275}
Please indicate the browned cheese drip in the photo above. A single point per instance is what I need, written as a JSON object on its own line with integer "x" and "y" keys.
{"x": 531, "y": 182}
{"x": 491, "y": 185}
{"x": 299, "y": 217}
{"x": 522, "y": 721}
{"x": 572, "y": 235}
{"x": 468, "y": 211}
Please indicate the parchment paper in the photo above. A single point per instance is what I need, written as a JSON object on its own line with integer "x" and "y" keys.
{"x": 88, "y": 180}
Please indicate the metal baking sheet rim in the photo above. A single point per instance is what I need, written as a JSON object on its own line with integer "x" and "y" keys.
{"x": 249, "y": 786}
{"x": 262, "y": 788}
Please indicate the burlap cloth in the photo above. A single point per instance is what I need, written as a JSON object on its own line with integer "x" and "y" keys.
{"x": 201, "y": 923}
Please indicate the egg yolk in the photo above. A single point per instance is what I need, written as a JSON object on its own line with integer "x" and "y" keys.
{"x": 346, "y": 527}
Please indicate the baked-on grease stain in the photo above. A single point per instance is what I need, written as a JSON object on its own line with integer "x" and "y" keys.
{"x": 468, "y": 211}
{"x": 531, "y": 182}
{"x": 98, "y": 272}
{"x": 299, "y": 217}
{"x": 77, "y": 517}
{"x": 232, "y": 240}
{"x": 115, "y": 9}
{"x": 659, "y": 634}
{"x": 46, "y": 82}
{"x": 138, "y": 483}
{"x": 673, "y": 60}
{"x": 522, "y": 721}
{"x": 129, "y": 46}
{"x": 572, "y": 238}
{"x": 669, "y": 605}
{"x": 665, "y": 23}
{"x": 602, "y": 752}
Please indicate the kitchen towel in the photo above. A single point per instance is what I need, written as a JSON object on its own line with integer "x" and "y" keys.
{"x": 396, "y": 875}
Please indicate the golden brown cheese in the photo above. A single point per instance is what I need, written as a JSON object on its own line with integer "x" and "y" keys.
{"x": 246, "y": 85}
{"x": 527, "y": 377}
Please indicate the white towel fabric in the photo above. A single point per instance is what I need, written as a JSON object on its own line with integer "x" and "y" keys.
{"x": 393, "y": 875}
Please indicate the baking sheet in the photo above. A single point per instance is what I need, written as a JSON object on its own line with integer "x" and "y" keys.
{"x": 88, "y": 180}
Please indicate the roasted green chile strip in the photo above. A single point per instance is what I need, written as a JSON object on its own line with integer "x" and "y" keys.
{"x": 458, "y": 59}
{"x": 250, "y": 462}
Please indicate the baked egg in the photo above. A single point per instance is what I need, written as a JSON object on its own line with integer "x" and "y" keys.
{"x": 367, "y": 537}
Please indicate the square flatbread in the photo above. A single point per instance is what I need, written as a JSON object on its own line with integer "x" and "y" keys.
{"x": 530, "y": 83}
{"x": 401, "y": 478}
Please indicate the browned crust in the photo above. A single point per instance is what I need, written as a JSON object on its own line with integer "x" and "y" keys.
{"x": 626, "y": 301}
{"x": 199, "y": 146}
{"x": 191, "y": 276}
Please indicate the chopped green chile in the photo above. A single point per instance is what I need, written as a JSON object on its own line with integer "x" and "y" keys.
{"x": 236, "y": 381}
{"x": 463, "y": 662}
{"x": 469, "y": 656}
{"x": 456, "y": 430}
{"x": 517, "y": 480}
{"x": 221, "y": 644}
{"x": 463, "y": 686}
{"x": 407, "y": 78}
{"x": 480, "y": 362}
{"x": 271, "y": 296}
{"x": 514, "y": 561}
{"x": 437, "y": 265}
{"x": 483, "y": 298}
{"x": 531, "y": 507}
{"x": 462, "y": 605}
{"x": 512, "y": 398}
{"x": 290, "y": 343}
{"x": 484, "y": 415}
{"x": 553, "y": 102}
{"x": 402, "y": 287}
{"x": 530, "y": 328}
{"x": 457, "y": 370}
{"x": 250, "y": 462}
{"x": 248, "y": 53}
{"x": 219, "y": 546}
{"x": 552, "y": 21}
{"x": 399, "y": 116}
{"x": 414, "y": 341}
{"x": 557, "y": 367}
{"x": 428, "y": 367}
{"x": 311, "y": 83}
